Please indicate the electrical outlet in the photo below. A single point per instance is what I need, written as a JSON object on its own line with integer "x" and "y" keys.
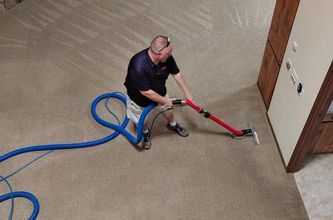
{"x": 300, "y": 89}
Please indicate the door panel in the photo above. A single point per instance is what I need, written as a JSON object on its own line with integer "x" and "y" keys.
{"x": 325, "y": 140}
{"x": 268, "y": 74}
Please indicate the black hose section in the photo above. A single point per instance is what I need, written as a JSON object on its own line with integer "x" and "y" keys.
{"x": 154, "y": 119}
{"x": 247, "y": 132}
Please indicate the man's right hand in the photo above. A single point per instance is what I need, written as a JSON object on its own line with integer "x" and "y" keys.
{"x": 152, "y": 95}
{"x": 168, "y": 103}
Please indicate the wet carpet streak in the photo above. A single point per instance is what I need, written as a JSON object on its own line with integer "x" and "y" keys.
{"x": 56, "y": 56}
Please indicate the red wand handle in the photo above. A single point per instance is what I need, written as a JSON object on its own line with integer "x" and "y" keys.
{"x": 214, "y": 118}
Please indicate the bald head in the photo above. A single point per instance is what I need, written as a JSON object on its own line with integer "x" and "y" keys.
{"x": 158, "y": 43}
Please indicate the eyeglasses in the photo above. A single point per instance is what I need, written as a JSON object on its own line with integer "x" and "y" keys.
{"x": 167, "y": 44}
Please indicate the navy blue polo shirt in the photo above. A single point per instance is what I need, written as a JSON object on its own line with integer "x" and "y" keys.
{"x": 143, "y": 75}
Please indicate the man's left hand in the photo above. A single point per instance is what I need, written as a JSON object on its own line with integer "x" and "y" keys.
{"x": 189, "y": 96}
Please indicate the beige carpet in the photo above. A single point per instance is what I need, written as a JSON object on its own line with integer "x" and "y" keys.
{"x": 56, "y": 56}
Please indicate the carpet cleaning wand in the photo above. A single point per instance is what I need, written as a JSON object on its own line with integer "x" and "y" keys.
{"x": 235, "y": 133}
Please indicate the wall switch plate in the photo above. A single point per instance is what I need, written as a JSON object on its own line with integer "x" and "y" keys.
{"x": 294, "y": 46}
{"x": 294, "y": 76}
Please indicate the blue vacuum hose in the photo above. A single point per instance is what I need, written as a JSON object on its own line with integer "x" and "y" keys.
{"x": 118, "y": 129}
{"x": 26, "y": 195}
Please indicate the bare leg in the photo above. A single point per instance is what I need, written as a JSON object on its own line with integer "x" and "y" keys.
{"x": 168, "y": 115}
{"x": 144, "y": 127}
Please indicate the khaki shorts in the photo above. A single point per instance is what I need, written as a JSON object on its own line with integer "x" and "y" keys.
{"x": 134, "y": 110}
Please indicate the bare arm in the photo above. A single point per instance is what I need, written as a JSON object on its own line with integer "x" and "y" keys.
{"x": 152, "y": 95}
{"x": 181, "y": 83}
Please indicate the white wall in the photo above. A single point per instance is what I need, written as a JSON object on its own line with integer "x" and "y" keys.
{"x": 313, "y": 32}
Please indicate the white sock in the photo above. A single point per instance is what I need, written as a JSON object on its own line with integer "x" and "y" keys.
{"x": 145, "y": 131}
{"x": 173, "y": 123}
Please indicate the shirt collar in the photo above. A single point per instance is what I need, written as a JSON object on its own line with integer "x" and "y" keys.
{"x": 150, "y": 62}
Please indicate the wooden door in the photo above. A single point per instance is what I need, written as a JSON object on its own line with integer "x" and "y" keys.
{"x": 323, "y": 143}
{"x": 268, "y": 75}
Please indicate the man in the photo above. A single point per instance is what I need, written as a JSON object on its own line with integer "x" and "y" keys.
{"x": 147, "y": 73}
